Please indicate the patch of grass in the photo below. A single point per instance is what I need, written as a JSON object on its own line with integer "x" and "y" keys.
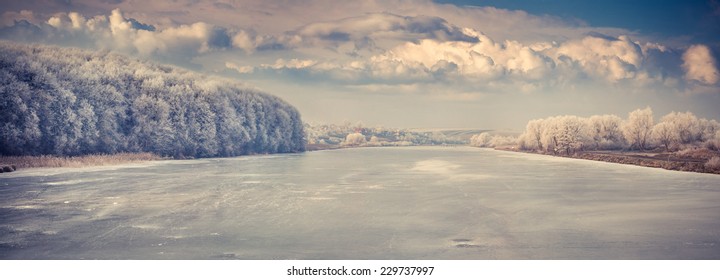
{"x": 78, "y": 161}
{"x": 696, "y": 153}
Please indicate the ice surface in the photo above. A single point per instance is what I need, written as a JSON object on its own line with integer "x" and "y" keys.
{"x": 368, "y": 203}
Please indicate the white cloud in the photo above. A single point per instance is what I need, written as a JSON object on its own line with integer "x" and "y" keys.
{"x": 118, "y": 32}
{"x": 275, "y": 17}
{"x": 245, "y": 41}
{"x": 291, "y": 64}
{"x": 609, "y": 58}
{"x": 478, "y": 63}
{"x": 484, "y": 59}
{"x": 380, "y": 26}
{"x": 700, "y": 65}
{"x": 240, "y": 69}
{"x": 528, "y": 67}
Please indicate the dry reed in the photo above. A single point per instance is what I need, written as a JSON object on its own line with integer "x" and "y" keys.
{"x": 78, "y": 161}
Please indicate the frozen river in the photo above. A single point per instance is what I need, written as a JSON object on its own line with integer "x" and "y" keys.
{"x": 368, "y": 203}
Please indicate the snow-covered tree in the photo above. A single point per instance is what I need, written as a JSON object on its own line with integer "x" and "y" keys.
{"x": 685, "y": 126}
{"x": 480, "y": 140}
{"x": 567, "y": 134}
{"x": 637, "y": 129}
{"x": 571, "y": 134}
{"x": 714, "y": 142}
{"x": 664, "y": 132}
{"x": 354, "y": 139}
{"x": 488, "y": 140}
{"x": 534, "y": 132}
{"x": 604, "y": 130}
{"x": 707, "y": 129}
{"x": 500, "y": 141}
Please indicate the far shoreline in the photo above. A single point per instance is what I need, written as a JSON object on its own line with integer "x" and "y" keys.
{"x": 650, "y": 159}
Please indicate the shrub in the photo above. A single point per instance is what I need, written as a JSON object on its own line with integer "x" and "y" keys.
{"x": 354, "y": 139}
{"x": 713, "y": 164}
{"x": 480, "y": 140}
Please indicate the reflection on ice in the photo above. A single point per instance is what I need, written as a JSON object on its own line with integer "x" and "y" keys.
{"x": 69, "y": 182}
{"x": 448, "y": 169}
{"x": 320, "y": 198}
{"x": 435, "y": 166}
{"x": 146, "y": 226}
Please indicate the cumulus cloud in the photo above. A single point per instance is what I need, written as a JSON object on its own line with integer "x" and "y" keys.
{"x": 117, "y": 32}
{"x": 366, "y": 33}
{"x": 488, "y": 63}
{"x": 278, "y": 16}
{"x": 373, "y": 26}
{"x": 475, "y": 56}
{"x": 611, "y": 58}
{"x": 700, "y": 65}
{"x": 336, "y": 20}
{"x": 484, "y": 58}
{"x": 371, "y": 43}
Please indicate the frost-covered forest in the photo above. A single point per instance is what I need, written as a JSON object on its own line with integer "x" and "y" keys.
{"x": 568, "y": 134}
{"x": 677, "y": 141}
{"x": 73, "y": 102}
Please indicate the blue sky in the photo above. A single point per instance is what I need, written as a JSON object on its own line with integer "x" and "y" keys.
{"x": 414, "y": 63}
{"x": 669, "y": 18}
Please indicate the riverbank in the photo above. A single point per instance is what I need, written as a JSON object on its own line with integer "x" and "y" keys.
{"x": 689, "y": 161}
{"x": 693, "y": 160}
{"x": 78, "y": 161}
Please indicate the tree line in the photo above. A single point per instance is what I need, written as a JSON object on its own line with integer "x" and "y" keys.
{"x": 349, "y": 134}
{"x": 568, "y": 134}
{"x": 60, "y": 101}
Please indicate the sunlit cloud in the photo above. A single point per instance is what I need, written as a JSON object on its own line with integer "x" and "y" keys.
{"x": 700, "y": 65}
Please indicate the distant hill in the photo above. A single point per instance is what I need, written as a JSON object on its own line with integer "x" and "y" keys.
{"x": 64, "y": 101}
